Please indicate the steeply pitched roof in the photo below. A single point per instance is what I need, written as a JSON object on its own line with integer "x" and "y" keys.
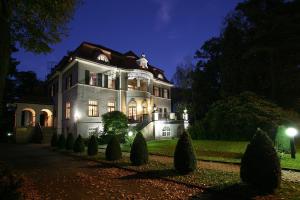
{"x": 89, "y": 51}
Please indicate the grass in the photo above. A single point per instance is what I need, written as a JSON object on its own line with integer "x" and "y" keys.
{"x": 224, "y": 151}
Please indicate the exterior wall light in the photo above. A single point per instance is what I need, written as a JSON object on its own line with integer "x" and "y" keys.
{"x": 130, "y": 133}
{"x": 292, "y": 132}
{"x": 77, "y": 116}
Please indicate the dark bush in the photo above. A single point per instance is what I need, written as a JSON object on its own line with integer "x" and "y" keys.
{"x": 237, "y": 118}
{"x": 61, "y": 144}
{"x": 260, "y": 165}
{"x": 113, "y": 149}
{"x": 78, "y": 145}
{"x": 139, "y": 150}
{"x": 196, "y": 130}
{"x": 184, "y": 157}
{"x": 54, "y": 140}
{"x": 37, "y": 136}
{"x": 92, "y": 146}
{"x": 70, "y": 142}
{"x": 105, "y": 138}
{"x": 10, "y": 184}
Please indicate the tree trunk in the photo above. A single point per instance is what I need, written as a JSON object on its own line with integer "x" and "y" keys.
{"x": 5, "y": 51}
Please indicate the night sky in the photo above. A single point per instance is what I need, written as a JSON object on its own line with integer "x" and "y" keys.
{"x": 167, "y": 31}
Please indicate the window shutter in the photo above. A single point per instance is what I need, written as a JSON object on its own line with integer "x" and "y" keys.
{"x": 99, "y": 79}
{"x": 106, "y": 81}
{"x": 87, "y": 77}
{"x": 117, "y": 84}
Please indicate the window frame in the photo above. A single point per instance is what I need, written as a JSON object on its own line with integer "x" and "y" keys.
{"x": 93, "y": 110}
{"x": 68, "y": 110}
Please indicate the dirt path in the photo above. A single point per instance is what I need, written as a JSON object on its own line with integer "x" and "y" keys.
{"x": 49, "y": 175}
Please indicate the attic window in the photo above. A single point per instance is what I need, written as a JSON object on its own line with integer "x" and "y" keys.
{"x": 160, "y": 76}
{"x": 103, "y": 58}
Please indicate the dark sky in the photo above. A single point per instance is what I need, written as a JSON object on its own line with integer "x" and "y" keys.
{"x": 167, "y": 31}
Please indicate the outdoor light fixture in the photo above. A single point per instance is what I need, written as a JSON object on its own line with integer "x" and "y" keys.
{"x": 77, "y": 116}
{"x": 292, "y": 132}
{"x": 130, "y": 133}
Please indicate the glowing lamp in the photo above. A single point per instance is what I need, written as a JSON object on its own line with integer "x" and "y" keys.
{"x": 130, "y": 133}
{"x": 291, "y": 132}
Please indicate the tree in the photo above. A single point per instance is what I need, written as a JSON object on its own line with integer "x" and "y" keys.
{"x": 54, "y": 140}
{"x": 139, "y": 150}
{"x": 184, "y": 157}
{"x": 260, "y": 166}
{"x": 61, "y": 144}
{"x": 34, "y": 26}
{"x": 70, "y": 141}
{"x": 92, "y": 146}
{"x": 78, "y": 145}
{"x": 113, "y": 149}
{"x": 115, "y": 122}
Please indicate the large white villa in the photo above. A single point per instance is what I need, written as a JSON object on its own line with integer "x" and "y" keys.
{"x": 93, "y": 80}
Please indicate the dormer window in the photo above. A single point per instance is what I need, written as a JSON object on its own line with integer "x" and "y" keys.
{"x": 143, "y": 62}
{"x": 103, "y": 58}
{"x": 160, "y": 76}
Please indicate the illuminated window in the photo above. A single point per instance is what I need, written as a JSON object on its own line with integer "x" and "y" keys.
{"x": 166, "y": 91}
{"x": 132, "y": 110}
{"x": 93, "y": 109}
{"x": 111, "y": 83}
{"x": 93, "y": 78}
{"x": 145, "y": 108}
{"x": 160, "y": 76}
{"x": 156, "y": 91}
{"x": 111, "y": 106}
{"x": 103, "y": 58}
{"x": 68, "y": 110}
{"x": 166, "y": 131}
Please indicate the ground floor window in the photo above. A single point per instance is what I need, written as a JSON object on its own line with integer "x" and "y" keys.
{"x": 111, "y": 106}
{"x": 93, "y": 108}
{"x": 68, "y": 110}
{"x": 166, "y": 131}
{"x": 132, "y": 114}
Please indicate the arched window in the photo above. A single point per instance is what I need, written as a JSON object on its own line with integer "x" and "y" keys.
{"x": 103, "y": 58}
{"x": 132, "y": 110}
{"x": 166, "y": 131}
{"x": 145, "y": 107}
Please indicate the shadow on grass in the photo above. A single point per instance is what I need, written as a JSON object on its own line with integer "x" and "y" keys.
{"x": 238, "y": 191}
{"x": 152, "y": 174}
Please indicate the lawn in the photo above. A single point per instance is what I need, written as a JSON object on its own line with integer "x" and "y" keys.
{"x": 225, "y": 151}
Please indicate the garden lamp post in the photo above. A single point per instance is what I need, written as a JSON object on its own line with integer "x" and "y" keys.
{"x": 292, "y": 132}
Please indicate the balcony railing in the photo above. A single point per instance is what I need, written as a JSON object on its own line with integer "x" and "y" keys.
{"x": 139, "y": 118}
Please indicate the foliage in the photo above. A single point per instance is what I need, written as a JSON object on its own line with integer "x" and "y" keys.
{"x": 92, "y": 146}
{"x": 54, "y": 140}
{"x": 61, "y": 143}
{"x": 184, "y": 157}
{"x": 115, "y": 123}
{"x": 282, "y": 141}
{"x": 139, "y": 150}
{"x": 196, "y": 130}
{"x": 37, "y": 136}
{"x": 70, "y": 141}
{"x": 78, "y": 145}
{"x": 113, "y": 149}
{"x": 238, "y": 117}
{"x": 260, "y": 166}
{"x": 10, "y": 184}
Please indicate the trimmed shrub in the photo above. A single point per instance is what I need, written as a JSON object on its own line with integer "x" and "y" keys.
{"x": 78, "y": 145}
{"x": 92, "y": 146}
{"x": 37, "y": 136}
{"x": 61, "y": 144}
{"x": 260, "y": 165}
{"x": 70, "y": 142}
{"x": 184, "y": 157}
{"x": 113, "y": 149}
{"x": 54, "y": 140}
{"x": 139, "y": 150}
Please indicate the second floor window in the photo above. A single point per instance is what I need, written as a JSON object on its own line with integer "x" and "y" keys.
{"x": 93, "y": 108}
{"x": 68, "y": 110}
{"x": 93, "y": 78}
{"x": 111, "y": 106}
{"x": 166, "y": 93}
{"x": 156, "y": 91}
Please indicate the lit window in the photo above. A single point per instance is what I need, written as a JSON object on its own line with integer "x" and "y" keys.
{"x": 68, "y": 110}
{"x": 92, "y": 131}
{"x": 166, "y": 93}
{"x": 145, "y": 108}
{"x": 93, "y": 78}
{"x": 132, "y": 110}
{"x": 103, "y": 58}
{"x": 93, "y": 109}
{"x": 166, "y": 131}
{"x": 156, "y": 91}
{"x": 111, "y": 83}
{"x": 111, "y": 106}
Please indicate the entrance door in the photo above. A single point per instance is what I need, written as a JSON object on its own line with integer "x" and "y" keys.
{"x": 132, "y": 112}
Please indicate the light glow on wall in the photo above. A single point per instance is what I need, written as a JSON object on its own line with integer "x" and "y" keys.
{"x": 77, "y": 115}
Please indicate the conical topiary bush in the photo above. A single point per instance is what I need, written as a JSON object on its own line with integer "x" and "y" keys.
{"x": 78, "y": 146}
{"x": 113, "y": 149}
{"x": 54, "y": 140}
{"x": 260, "y": 165}
{"x": 37, "y": 136}
{"x": 70, "y": 142}
{"x": 92, "y": 146}
{"x": 184, "y": 157}
{"x": 139, "y": 150}
{"x": 61, "y": 144}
